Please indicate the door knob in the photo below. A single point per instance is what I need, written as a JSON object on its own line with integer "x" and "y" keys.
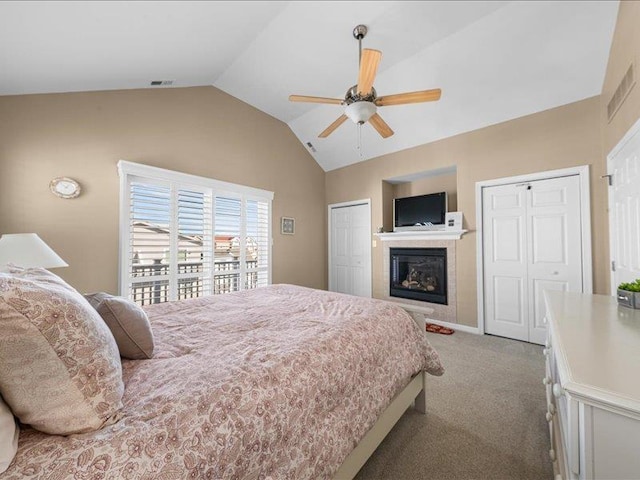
{"x": 558, "y": 391}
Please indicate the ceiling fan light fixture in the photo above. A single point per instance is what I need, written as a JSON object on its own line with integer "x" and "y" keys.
{"x": 360, "y": 112}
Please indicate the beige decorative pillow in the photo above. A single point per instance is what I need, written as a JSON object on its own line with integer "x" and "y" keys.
{"x": 9, "y": 433}
{"x": 128, "y": 323}
{"x": 60, "y": 370}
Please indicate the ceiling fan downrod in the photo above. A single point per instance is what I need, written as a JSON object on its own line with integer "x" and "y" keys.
{"x": 359, "y": 108}
{"x": 359, "y": 33}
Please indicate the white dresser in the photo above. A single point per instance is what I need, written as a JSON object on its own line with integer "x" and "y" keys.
{"x": 593, "y": 387}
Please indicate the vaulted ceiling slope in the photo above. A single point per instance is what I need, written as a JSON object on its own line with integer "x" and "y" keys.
{"x": 494, "y": 61}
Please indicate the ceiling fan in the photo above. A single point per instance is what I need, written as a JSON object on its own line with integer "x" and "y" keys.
{"x": 361, "y": 101}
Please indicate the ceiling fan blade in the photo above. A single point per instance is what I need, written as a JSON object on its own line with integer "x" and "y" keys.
{"x": 368, "y": 68}
{"x": 380, "y": 125}
{"x": 409, "y": 97}
{"x": 329, "y": 130}
{"x": 305, "y": 98}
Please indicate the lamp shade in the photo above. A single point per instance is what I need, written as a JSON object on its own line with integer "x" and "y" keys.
{"x": 361, "y": 111}
{"x": 28, "y": 250}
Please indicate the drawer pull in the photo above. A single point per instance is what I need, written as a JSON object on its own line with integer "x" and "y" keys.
{"x": 552, "y": 454}
{"x": 558, "y": 391}
{"x": 546, "y": 381}
{"x": 545, "y": 352}
{"x": 549, "y": 416}
{"x": 552, "y": 409}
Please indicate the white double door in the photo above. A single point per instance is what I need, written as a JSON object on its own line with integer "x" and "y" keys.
{"x": 624, "y": 209}
{"x": 532, "y": 242}
{"x": 350, "y": 249}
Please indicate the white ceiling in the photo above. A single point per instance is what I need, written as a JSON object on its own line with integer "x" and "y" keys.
{"x": 494, "y": 61}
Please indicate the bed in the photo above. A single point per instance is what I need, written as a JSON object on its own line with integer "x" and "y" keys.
{"x": 281, "y": 382}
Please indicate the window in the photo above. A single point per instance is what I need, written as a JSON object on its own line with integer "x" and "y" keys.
{"x": 183, "y": 236}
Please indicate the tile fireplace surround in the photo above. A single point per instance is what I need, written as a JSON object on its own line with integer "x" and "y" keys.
{"x": 444, "y": 313}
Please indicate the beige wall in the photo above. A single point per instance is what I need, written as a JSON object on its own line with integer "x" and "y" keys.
{"x": 201, "y": 131}
{"x": 553, "y": 139}
{"x": 625, "y": 49}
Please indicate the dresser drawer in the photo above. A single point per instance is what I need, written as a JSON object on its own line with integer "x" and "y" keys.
{"x": 568, "y": 414}
{"x": 612, "y": 440}
{"x": 562, "y": 412}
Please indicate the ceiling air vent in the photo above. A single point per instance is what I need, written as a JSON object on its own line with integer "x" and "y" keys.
{"x": 627, "y": 83}
{"x": 161, "y": 83}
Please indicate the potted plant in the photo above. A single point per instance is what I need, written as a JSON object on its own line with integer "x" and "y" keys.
{"x": 629, "y": 294}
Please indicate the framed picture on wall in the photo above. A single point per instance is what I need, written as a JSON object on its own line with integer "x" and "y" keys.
{"x": 287, "y": 226}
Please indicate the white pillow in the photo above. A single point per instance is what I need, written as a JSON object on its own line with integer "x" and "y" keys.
{"x": 9, "y": 432}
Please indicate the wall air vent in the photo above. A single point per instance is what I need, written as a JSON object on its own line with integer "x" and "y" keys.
{"x": 161, "y": 83}
{"x": 627, "y": 83}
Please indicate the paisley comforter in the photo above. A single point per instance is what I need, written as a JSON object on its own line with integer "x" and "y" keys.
{"x": 280, "y": 382}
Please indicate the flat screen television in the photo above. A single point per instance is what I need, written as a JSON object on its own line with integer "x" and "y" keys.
{"x": 424, "y": 212}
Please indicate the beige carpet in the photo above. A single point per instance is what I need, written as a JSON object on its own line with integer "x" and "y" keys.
{"x": 485, "y": 417}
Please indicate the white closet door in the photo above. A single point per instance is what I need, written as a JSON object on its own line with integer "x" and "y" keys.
{"x": 340, "y": 274}
{"x": 505, "y": 261}
{"x": 624, "y": 212}
{"x": 531, "y": 242}
{"x": 554, "y": 245}
{"x": 351, "y": 250}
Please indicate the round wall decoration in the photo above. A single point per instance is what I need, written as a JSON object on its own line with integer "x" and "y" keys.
{"x": 65, "y": 187}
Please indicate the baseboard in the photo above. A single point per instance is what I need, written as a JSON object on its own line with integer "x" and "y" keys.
{"x": 455, "y": 326}
{"x": 421, "y": 318}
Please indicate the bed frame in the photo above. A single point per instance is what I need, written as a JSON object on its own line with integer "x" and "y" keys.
{"x": 412, "y": 393}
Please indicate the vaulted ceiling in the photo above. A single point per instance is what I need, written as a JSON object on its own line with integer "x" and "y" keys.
{"x": 494, "y": 61}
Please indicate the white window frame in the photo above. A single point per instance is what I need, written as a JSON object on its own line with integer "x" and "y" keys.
{"x": 128, "y": 170}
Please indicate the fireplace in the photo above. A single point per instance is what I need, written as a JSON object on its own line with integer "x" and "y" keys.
{"x": 419, "y": 274}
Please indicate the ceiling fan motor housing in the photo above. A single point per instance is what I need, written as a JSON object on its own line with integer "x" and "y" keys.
{"x": 352, "y": 95}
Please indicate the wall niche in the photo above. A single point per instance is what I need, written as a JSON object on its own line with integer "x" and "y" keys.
{"x": 419, "y": 183}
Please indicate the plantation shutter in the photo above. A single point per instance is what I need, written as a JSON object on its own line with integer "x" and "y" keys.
{"x": 194, "y": 243}
{"x": 228, "y": 230}
{"x": 183, "y": 240}
{"x": 258, "y": 244}
{"x": 150, "y": 242}
{"x": 242, "y": 244}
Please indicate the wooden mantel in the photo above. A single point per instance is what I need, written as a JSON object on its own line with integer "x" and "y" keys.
{"x": 422, "y": 235}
